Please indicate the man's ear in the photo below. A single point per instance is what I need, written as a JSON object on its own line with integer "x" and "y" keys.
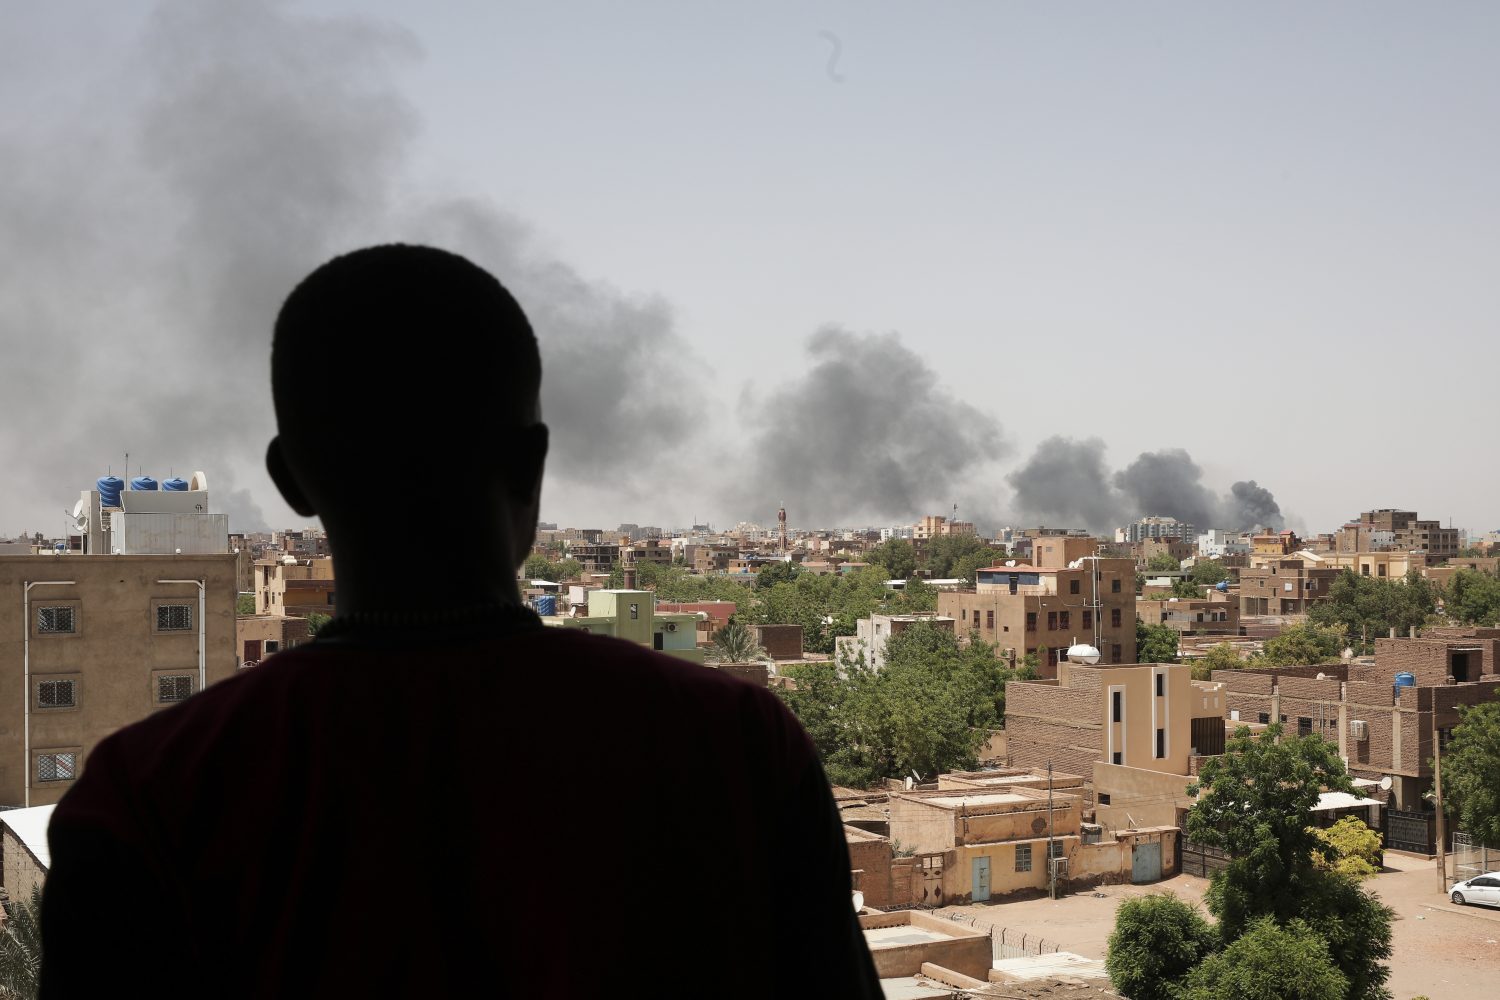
{"x": 281, "y": 475}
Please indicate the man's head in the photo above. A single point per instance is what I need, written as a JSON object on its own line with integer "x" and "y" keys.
{"x": 405, "y": 376}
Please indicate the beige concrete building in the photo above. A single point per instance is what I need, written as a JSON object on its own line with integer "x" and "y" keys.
{"x": 259, "y": 636}
{"x": 26, "y": 853}
{"x": 1383, "y": 565}
{"x": 1133, "y": 731}
{"x": 1192, "y": 617}
{"x": 287, "y": 586}
{"x": 91, "y": 643}
{"x": 1027, "y": 608}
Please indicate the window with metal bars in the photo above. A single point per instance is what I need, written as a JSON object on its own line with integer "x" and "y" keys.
{"x": 56, "y": 766}
{"x": 177, "y": 687}
{"x": 53, "y": 620}
{"x": 56, "y": 694}
{"x": 174, "y": 617}
{"x": 1023, "y": 857}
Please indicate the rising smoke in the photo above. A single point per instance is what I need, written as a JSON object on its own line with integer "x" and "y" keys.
{"x": 865, "y": 434}
{"x": 150, "y": 242}
{"x": 1066, "y": 482}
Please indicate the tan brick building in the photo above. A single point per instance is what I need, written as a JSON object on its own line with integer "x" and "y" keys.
{"x": 286, "y": 586}
{"x": 1283, "y": 587}
{"x": 1399, "y": 530}
{"x": 259, "y": 636}
{"x": 91, "y": 643}
{"x": 1025, "y": 608}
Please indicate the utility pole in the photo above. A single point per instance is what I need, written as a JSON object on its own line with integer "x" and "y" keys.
{"x": 1437, "y": 788}
{"x": 1051, "y": 868}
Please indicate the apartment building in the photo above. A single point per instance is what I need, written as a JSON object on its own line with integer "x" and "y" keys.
{"x": 1156, "y": 527}
{"x": 1384, "y": 727}
{"x": 1385, "y": 564}
{"x": 1028, "y": 608}
{"x": 1192, "y": 617}
{"x": 1131, "y": 730}
{"x": 1283, "y": 587}
{"x": 288, "y": 586}
{"x": 1216, "y": 543}
{"x": 89, "y": 644}
{"x": 1385, "y": 529}
{"x": 259, "y": 636}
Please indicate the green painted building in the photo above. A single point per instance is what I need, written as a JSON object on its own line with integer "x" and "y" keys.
{"x": 631, "y": 615}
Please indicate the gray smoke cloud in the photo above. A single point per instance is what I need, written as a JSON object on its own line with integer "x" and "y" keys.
{"x": 1067, "y": 483}
{"x": 865, "y": 434}
{"x": 148, "y": 245}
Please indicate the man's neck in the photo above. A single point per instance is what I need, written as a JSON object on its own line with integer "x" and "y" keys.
{"x": 376, "y": 580}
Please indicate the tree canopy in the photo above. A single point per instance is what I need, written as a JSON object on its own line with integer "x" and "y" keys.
{"x": 1472, "y": 598}
{"x": 897, "y": 555}
{"x": 1221, "y": 657}
{"x": 1356, "y": 848}
{"x": 1269, "y": 962}
{"x": 1157, "y": 941}
{"x": 1300, "y": 645}
{"x": 1155, "y": 643}
{"x": 927, "y": 710}
{"x": 1471, "y": 771}
{"x": 1164, "y": 562}
{"x": 1256, "y": 803}
{"x": 1209, "y": 572}
{"x": 539, "y": 567}
{"x": 1361, "y": 608}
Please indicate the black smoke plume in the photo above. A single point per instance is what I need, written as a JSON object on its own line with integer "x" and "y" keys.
{"x": 865, "y": 434}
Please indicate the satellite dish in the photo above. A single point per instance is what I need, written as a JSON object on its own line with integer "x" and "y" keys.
{"x": 1348, "y": 653}
{"x": 859, "y": 901}
{"x": 80, "y": 517}
{"x": 199, "y": 481}
{"x": 1385, "y": 783}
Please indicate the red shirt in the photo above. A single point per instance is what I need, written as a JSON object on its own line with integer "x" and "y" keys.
{"x": 542, "y": 813}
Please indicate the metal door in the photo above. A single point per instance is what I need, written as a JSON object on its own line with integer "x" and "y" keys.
{"x": 981, "y": 879}
{"x": 1145, "y": 863}
{"x": 252, "y": 650}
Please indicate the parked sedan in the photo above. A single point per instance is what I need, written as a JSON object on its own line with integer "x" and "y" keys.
{"x": 1479, "y": 889}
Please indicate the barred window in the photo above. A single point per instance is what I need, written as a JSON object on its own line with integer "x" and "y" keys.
{"x": 56, "y": 766}
{"x": 174, "y": 617}
{"x": 56, "y": 694}
{"x": 53, "y": 620}
{"x": 178, "y": 687}
{"x": 1023, "y": 857}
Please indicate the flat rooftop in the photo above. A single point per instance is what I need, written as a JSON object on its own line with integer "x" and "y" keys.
{"x": 902, "y": 934}
{"x": 981, "y": 798}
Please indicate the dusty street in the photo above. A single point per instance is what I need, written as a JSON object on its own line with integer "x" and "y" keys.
{"x": 1444, "y": 951}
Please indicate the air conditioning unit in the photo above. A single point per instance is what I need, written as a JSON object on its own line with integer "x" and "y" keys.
{"x": 1359, "y": 729}
{"x": 1058, "y": 867}
{"x": 670, "y": 626}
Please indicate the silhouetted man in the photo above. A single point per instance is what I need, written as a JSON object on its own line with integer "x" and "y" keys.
{"x": 439, "y": 796}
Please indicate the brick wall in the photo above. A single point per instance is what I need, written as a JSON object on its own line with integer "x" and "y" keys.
{"x": 782, "y": 642}
{"x": 872, "y": 856}
{"x": 1310, "y": 688}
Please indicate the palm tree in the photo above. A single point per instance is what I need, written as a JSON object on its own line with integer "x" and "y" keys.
{"x": 21, "y": 947}
{"x": 735, "y": 643}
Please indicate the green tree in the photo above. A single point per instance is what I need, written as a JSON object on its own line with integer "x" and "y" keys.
{"x": 316, "y": 621}
{"x": 244, "y": 604}
{"x": 21, "y": 946}
{"x": 1163, "y": 562}
{"x": 1209, "y": 572}
{"x": 1187, "y": 589}
{"x": 1471, "y": 771}
{"x": 917, "y": 597}
{"x": 771, "y": 574}
{"x": 1302, "y": 645}
{"x": 968, "y": 566}
{"x": 1269, "y": 962}
{"x": 1155, "y": 643}
{"x": 539, "y": 567}
{"x": 1367, "y": 606}
{"x": 736, "y": 643}
{"x": 1255, "y": 801}
{"x": 897, "y": 555}
{"x": 1473, "y": 598}
{"x": 1355, "y": 848}
{"x": 946, "y": 551}
{"x": 1221, "y": 657}
{"x": 1156, "y": 942}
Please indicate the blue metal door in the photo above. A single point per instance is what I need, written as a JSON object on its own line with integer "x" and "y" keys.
{"x": 981, "y": 879}
{"x": 1145, "y": 863}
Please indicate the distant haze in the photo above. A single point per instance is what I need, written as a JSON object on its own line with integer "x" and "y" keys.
{"x": 1051, "y": 265}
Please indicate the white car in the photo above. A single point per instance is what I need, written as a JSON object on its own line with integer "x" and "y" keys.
{"x": 1479, "y": 889}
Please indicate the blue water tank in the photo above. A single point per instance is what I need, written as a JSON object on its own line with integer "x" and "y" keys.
{"x": 143, "y": 483}
{"x": 59, "y": 546}
{"x": 1222, "y": 586}
{"x": 175, "y": 485}
{"x": 1405, "y": 680}
{"x": 546, "y": 604}
{"x": 109, "y": 490}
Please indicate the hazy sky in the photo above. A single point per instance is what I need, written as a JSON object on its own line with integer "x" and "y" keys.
{"x": 863, "y": 258}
